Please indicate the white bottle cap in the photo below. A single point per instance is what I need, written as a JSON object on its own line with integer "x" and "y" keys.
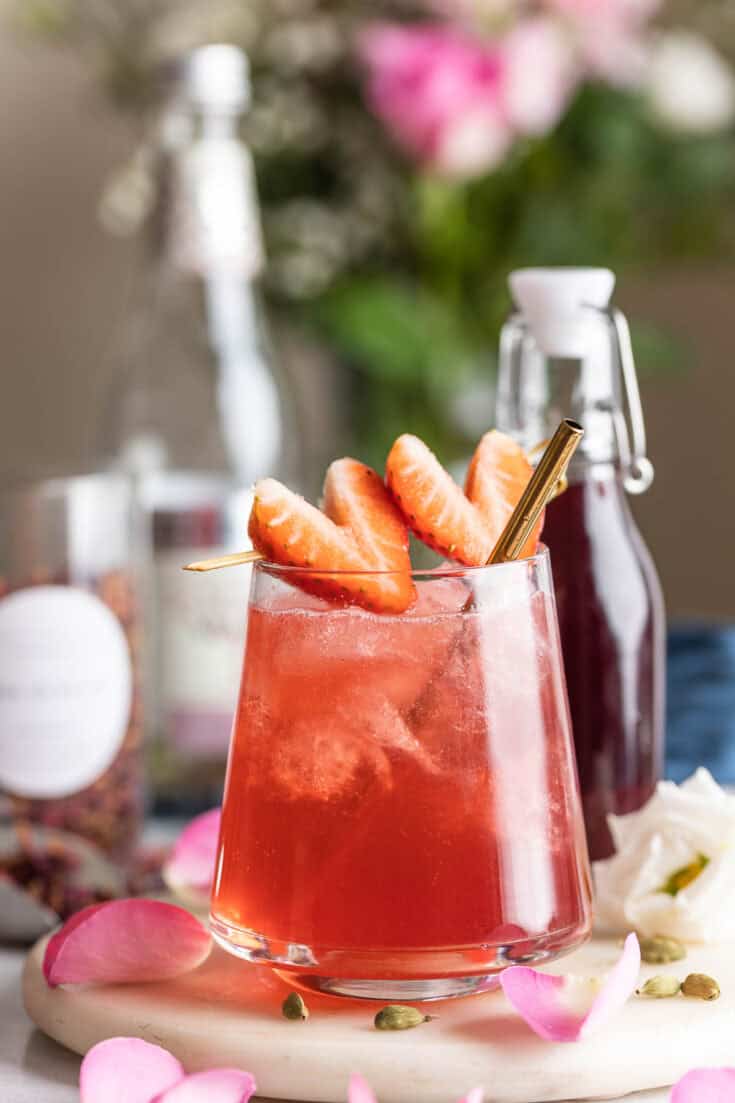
{"x": 553, "y": 302}
{"x": 218, "y": 77}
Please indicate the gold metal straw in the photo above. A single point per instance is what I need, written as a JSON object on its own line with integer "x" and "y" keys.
{"x": 234, "y": 560}
{"x": 541, "y": 488}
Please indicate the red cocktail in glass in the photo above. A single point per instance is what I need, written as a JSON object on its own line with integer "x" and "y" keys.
{"x": 401, "y": 814}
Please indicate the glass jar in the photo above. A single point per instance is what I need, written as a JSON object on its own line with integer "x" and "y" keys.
{"x": 70, "y": 706}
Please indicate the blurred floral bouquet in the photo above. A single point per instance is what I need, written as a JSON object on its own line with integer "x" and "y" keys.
{"x": 410, "y": 154}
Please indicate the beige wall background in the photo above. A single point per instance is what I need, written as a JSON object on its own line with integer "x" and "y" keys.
{"x": 63, "y": 289}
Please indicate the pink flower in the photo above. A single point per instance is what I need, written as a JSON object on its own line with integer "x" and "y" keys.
{"x": 129, "y": 1070}
{"x": 439, "y": 91}
{"x": 610, "y": 34}
{"x": 568, "y": 1008}
{"x": 456, "y": 102}
{"x": 705, "y": 1086}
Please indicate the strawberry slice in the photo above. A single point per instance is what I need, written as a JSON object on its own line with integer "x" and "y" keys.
{"x": 497, "y": 476}
{"x": 460, "y": 526}
{"x": 288, "y": 530}
{"x": 360, "y": 530}
{"x": 355, "y": 497}
{"x": 433, "y": 505}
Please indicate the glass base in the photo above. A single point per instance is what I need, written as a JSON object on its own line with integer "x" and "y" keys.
{"x": 407, "y": 976}
{"x": 393, "y": 991}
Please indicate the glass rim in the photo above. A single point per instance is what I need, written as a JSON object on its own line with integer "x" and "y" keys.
{"x": 450, "y": 570}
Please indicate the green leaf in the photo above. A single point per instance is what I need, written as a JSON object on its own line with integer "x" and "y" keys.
{"x": 395, "y": 333}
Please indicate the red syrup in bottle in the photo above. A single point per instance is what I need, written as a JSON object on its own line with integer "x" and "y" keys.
{"x": 567, "y": 353}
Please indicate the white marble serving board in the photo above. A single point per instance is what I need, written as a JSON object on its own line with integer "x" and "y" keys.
{"x": 228, "y": 1013}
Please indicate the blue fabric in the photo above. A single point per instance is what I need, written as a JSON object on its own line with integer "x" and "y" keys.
{"x": 701, "y": 701}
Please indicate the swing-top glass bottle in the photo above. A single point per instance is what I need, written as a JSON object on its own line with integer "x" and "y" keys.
{"x": 567, "y": 352}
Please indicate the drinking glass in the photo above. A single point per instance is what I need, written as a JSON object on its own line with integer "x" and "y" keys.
{"x": 401, "y": 817}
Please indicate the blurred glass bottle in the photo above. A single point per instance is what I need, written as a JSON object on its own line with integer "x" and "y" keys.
{"x": 567, "y": 353}
{"x": 197, "y": 415}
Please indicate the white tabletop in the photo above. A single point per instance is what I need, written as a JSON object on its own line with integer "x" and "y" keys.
{"x": 33, "y": 1069}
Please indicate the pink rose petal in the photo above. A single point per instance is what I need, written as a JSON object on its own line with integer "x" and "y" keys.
{"x": 475, "y": 1096}
{"x": 190, "y": 869}
{"x": 126, "y": 1070}
{"x": 705, "y": 1086}
{"x": 125, "y": 941}
{"x": 566, "y": 1009}
{"x": 359, "y": 1091}
{"x": 213, "y": 1086}
{"x": 57, "y": 940}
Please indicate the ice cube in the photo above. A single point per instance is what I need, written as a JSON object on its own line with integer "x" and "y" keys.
{"x": 316, "y": 762}
{"x": 347, "y": 745}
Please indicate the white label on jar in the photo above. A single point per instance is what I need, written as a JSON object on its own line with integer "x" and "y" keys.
{"x": 65, "y": 690}
{"x": 201, "y": 635}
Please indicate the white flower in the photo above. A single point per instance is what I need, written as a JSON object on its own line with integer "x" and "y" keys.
{"x": 539, "y": 76}
{"x": 475, "y": 143}
{"x": 690, "y": 826}
{"x": 690, "y": 86}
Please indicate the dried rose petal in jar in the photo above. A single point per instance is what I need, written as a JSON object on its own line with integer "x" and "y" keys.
{"x": 46, "y": 875}
{"x": 70, "y": 701}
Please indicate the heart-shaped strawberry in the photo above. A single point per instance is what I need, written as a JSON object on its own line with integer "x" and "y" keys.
{"x": 359, "y": 530}
{"x": 460, "y": 526}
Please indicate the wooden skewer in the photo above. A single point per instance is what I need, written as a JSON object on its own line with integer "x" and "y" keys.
{"x": 547, "y": 481}
{"x": 236, "y": 559}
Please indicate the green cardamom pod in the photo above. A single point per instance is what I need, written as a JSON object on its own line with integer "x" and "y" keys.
{"x": 700, "y": 987}
{"x": 659, "y": 988}
{"x": 398, "y": 1017}
{"x": 661, "y": 949}
{"x": 293, "y": 1007}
